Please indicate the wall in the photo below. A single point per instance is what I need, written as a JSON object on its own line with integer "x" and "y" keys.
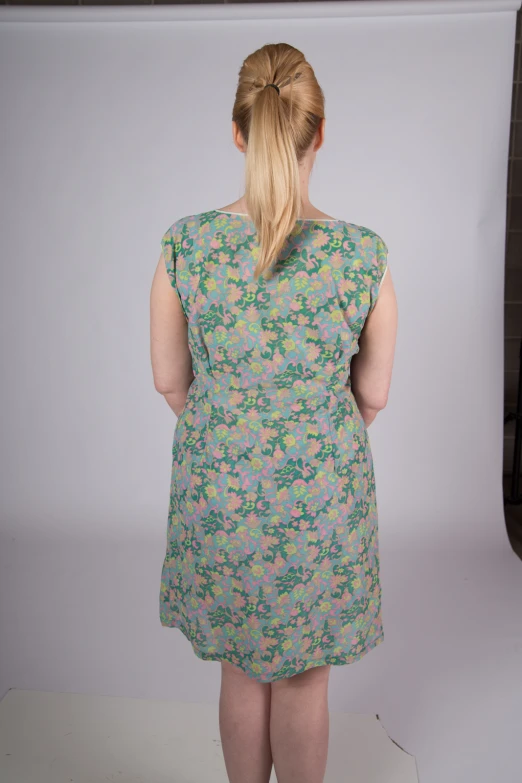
{"x": 114, "y": 126}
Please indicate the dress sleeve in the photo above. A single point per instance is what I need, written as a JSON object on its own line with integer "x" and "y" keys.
{"x": 377, "y": 270}
{"x": 169, "y": 255}
{"x": 360, "y": 279}
{"x": 175, "y": 262}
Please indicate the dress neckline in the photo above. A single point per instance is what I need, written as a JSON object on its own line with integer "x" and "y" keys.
{"x": 244, "y": 214}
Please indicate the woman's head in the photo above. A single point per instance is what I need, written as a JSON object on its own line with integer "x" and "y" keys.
{"x": 278, "y": 127}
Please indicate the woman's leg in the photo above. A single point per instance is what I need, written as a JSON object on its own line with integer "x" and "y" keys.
{"x": 244, "y": 723}
{"x": 299, "y": 726}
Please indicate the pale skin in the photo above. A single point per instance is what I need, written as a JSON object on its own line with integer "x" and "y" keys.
{"x": 285, "y": 723}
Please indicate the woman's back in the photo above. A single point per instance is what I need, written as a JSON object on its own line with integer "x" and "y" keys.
{"x": 273, "y": 521}
{"x": 301, "y": 325}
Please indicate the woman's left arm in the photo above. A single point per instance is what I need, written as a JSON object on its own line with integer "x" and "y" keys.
{"x": 170, "y": 354}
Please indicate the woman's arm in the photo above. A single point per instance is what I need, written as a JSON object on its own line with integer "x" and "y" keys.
{"x": 170, "y": 354}
{"x": 371, "y": 367}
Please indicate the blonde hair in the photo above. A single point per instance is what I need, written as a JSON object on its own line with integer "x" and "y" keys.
{"x": 278, "y": 127}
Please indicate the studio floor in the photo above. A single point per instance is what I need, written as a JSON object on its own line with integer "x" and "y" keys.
{"x": 76, "y": 738}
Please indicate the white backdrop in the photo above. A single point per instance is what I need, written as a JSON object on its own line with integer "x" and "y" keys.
{"x": 110, "y": 132}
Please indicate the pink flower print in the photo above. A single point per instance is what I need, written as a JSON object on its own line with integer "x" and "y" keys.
{"x": 265, "y": 336}
{"x": 265, "y": 643}
{"x": 337, "y": 259}
{"x": 320, "y": 238}
{"x": 234, "y": 293}
{"x": 233, "y": 502}
{"x": 236, "y": 398}
{"x": 252, "y": 313}
{"x": 278, "y": 360}
{"x": 313, "y": 351}
{"x": 252, "y": 520}
{"x": 314, "y": 447}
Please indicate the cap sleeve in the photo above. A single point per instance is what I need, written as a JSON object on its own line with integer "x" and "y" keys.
{"x": 173, "y": 244}
{"x": 360, "y": 279}
{"x": 169, "y": 255}
{"x": 377, "y": 270}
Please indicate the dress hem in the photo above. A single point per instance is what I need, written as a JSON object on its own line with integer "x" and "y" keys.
{"x": 328, "y": 660}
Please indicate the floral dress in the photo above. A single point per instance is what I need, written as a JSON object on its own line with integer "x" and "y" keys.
{"x": 272, "y": 560}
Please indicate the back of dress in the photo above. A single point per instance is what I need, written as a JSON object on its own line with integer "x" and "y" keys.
{"x": 272, "y": 552}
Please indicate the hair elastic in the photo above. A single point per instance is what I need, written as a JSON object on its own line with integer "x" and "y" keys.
{"x": 276, "y": 87}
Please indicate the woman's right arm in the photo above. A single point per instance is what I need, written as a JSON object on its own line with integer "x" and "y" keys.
{"x": 371, "y": 367}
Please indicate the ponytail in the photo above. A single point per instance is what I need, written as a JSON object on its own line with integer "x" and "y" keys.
{"x": 278, "y": 126}
{"x": 272, "y": 191}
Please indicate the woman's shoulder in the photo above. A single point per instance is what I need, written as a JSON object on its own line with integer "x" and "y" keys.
{"x": 365, "y": 237}
{"x": 194, "y": 224}
{"x": 188, "y": 222}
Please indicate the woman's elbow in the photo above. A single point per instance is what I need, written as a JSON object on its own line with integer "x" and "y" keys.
{"x": 381, "y": 402}
{"x": 163, "y": 383}
{"x": 370, "y": 395}
{"x": 373, "y": 404}
{"x": 162, "y": 389}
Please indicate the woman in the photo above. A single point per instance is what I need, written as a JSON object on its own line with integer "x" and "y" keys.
{"x": 258, "y": 345}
